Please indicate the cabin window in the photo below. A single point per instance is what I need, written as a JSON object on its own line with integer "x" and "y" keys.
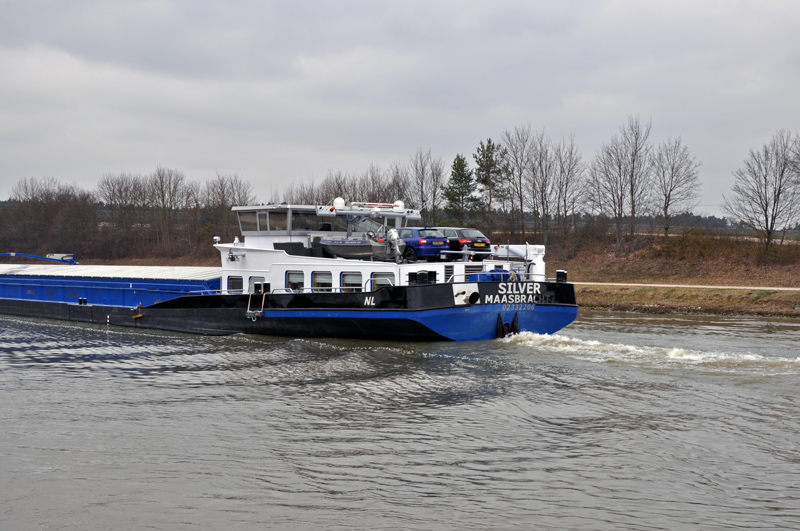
{"x": 351, "y": 282}
{"x": 277, "y": 220}
{"x": 247, "y": 221}
{"x": 294, "y": 280}
{"x": 235, "y": 284}
{"x": 306, "y": 222}
{"x": 260, "y": 288}
{"x": 380, "y": 280}
{"x": 255, "y": 285}
{"x": 263, "y": 221}
{"x": 337, "y": 224}
{"x": 322, "y": 280}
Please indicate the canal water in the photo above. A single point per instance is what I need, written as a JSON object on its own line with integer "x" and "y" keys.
{"x": 619, "y": 421}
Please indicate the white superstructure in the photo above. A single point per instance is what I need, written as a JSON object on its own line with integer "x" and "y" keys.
{"x": 292, "y": 248}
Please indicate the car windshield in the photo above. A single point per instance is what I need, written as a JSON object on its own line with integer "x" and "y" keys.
{"x": 430, "y": 233}
{"x": 368, "y": 224}
{"x": 472, "y": 233}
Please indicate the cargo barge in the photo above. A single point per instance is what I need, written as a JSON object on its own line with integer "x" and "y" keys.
{"x": 285, "y": 278}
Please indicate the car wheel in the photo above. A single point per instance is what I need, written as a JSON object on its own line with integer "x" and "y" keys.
{"x": 410, "y": 254}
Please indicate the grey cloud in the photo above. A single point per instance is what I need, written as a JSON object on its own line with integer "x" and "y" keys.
{"x": 277, "y": 89}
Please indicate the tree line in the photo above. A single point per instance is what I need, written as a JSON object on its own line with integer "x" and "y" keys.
{"x": 126, "y": 215}
{"x": 526, "y": 186}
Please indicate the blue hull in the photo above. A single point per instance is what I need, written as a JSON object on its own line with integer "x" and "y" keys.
{"x": 470, "y": 323}
{"x": 483, "y": 309}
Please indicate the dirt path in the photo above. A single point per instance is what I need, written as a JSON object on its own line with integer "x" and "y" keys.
{"x": 687, "y": 286}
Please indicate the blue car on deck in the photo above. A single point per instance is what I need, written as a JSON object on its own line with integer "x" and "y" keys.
{"x": 424, "y": 243}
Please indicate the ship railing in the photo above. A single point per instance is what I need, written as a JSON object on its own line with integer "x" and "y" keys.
{"x": 364, "y": 288}
{"x": 514, "y": 275}
{"x": 466, "y": 254}
{"x": 305, "y": 289}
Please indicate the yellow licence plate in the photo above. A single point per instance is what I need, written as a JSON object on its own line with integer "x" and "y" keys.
{"x": 480, "y": 244}
{"x": 438, "y": 243}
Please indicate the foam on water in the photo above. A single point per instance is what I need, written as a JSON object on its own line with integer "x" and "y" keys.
{"x": 599, "y": 352}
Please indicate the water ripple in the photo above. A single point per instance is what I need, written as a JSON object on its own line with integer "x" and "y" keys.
{"x": 648, "y": 427}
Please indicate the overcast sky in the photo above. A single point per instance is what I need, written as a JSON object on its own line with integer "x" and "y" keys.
{"x": 279, "y": 92}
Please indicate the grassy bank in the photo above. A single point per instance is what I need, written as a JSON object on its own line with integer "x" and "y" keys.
{"x": 761, "y": 302}
{"x": 648, "y": 270}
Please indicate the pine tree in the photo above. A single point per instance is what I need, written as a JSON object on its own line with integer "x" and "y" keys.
{"x": 489, "y": 172}
{"x": 459, "y": 191}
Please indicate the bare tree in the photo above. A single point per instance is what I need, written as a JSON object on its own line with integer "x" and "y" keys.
{"x": 608, "y": 188}
{"x": 676, "y": 181}
{"x": 541, "y": 180}
{"x": 439, "y": 178}
{"x": 241, "y": 190}
{"x": 34, "y": 190}
{"x": 517, "y": 153}
{"x": 126, "y": 228}
{"x": 795, "y": 155}
{"x": 568, "y": 183}
{"x": 124, "y": 196}
{"x": 167, "y": 193}
{"x": 36, "y": 199}
{"x": 419, "y": 173}
{"x": 635, "y": 138}
{"x": 191, "y": 219}
{"x": 334, "y": 185}
{"x": 621, "y": 177}
{"x": 767, "y": 189}
{"x": 428, "y": 177}
{"x": 219, "y": 196}
{"x": 47, "y": 216}
{"x": 398, "y": 186}
{"x": 302, "y": 193}
{"x": 374, "y": 186}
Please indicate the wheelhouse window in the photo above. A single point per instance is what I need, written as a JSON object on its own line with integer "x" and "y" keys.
{"x": 263, "y": 221}
{"x": 303, "y": 221}
{"x": 380, "y": 280}
{"x": 277, "y": 220}
{"x": 235, "y": 284}
{"x": 294, "y": 280}
{"x": 322, "y": 281}
{"x": 351, "y": 282}
{"x": 247, "y": 221}
{"x": 337, "y": 224}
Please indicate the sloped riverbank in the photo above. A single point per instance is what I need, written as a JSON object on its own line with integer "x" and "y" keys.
{"x": 708, "y": 287}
